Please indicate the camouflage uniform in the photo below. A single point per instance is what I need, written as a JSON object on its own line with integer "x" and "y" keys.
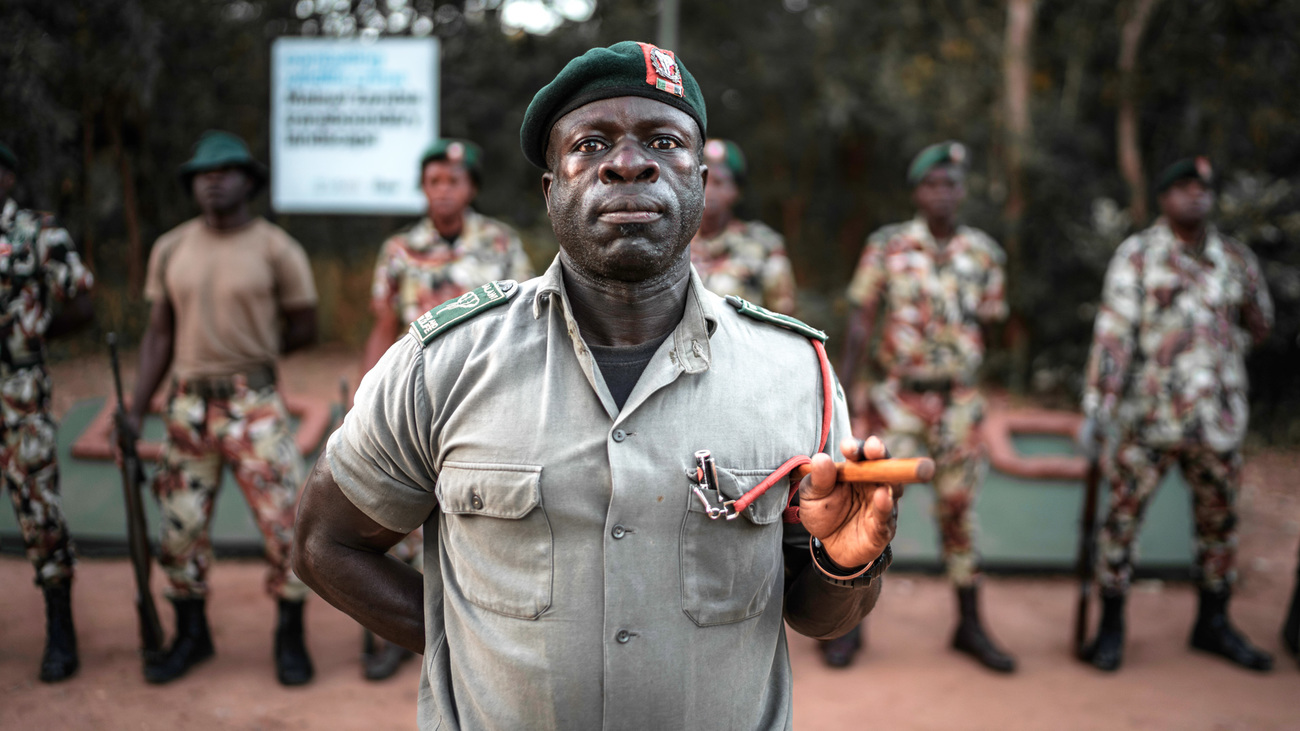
{"x": 418, "y": 270}
{"x": 748, "y": 260}
{"x": 1167, "y": 377}
{"x": 248, "y": 428}
{"x": 934, "y": 299}
{"x": 38, "y": 266}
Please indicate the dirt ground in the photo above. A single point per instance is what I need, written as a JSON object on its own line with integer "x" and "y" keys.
{"x": 906, "y": 679}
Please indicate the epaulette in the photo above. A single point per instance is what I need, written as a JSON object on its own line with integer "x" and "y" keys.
{"x": 749, "y": 309}
{"x": 452, "y": 312}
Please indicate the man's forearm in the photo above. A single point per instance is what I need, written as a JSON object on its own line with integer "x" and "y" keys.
{"x": 155, "y": 361}
{"x": 815, "y": 607}
{"x": 342, "y": 554}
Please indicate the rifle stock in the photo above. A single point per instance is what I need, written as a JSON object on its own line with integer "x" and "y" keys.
{"x": 1087, "y": 564}
{"x": 137, "y": 529}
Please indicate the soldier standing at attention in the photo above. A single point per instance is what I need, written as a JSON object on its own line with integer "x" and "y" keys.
{"x": 744, "y": 258}
{"x": 932, "y": 282}
{"x": 551, "y": 434}
{"x": 449, "y": 252}
{"x": 39, "y": 269}
{"x": 1167, "y": 384}
{"x": 230, "y": 292}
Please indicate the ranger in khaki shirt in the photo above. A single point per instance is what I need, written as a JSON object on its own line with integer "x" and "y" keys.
{"x": 545, "y": 435}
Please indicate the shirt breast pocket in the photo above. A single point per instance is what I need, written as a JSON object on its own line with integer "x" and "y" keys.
{"x": 731, "y": 569}
{"x": 496, "y": 536}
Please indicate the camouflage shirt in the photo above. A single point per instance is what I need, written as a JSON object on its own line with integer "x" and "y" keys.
{"x": 1169, "y": 344}
{"x": 748, "y": 260}
{"x": 933, "y": 298}
{"x": 38, "y": 267}
{"x": 418, "y": 269}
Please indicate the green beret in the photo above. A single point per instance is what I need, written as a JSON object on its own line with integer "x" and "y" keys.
{"x": 624, "y": 69}
{"x": 7, "y": 157}
{"x": 462, "y": 151}
{"x": 943, "y": 153}
{"x": 727, "y": 153}
{"x": 217, "y": 149}
{"x": 1188, "y": 168}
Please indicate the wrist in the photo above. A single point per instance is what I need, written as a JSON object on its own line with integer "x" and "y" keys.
{"x": 852, "y": 577}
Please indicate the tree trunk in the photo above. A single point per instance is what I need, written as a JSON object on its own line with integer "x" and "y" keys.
{"x": 87, "y": 160}
{"x": 130, "y": 211}
{"x": 1017, "y": 71}
{"x": 1126, "y": 123}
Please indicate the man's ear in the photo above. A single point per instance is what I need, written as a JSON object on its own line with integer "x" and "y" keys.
{"x": 704, "y": 175}
{"x": 547, "y": 179}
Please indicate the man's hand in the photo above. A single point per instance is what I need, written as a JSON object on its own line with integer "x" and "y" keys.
{"x": 126, "y": 432}
{"x": 853, "y": 520}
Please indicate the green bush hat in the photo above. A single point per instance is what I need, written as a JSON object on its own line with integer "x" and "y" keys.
{"x": 462, "y": 151}
{"x": 726, "y": 153}
{"x": 217, "y": 149}
{"x": 1188, "y": 168}
{"x": 7, "y": 158}
{"x": 942, "y": 153}
{"x": 628, "y": 68}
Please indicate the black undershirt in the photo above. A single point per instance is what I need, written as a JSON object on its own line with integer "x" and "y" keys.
{"x": 622, "y": 365}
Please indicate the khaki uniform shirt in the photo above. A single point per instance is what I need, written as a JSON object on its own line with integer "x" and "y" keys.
{"x": 933, "y": 298}
{"x": 1169, "y": 344}
{"x": 418, "y": 269}
{"x": 39, "y": 267}
{"x": 577, "y": 582}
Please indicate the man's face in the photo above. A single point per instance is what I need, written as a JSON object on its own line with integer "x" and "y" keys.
{"x": 940, "y": 193}
{"x": 625, "y": 190}
{"x": 721, "y": 192}
{"x": 222, "y": 190}
{"x": 447, "y": 187}
{"x": 1187, "y": 202}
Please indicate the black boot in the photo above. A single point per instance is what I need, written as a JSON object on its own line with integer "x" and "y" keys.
{"x": 193, "y": 643}
{"x": 292, "y": 665}
{"x": 839, "y": 652}
{"x": 60, "y": 659}
{"x": 1291, "y": 629}
{"x": 1107, "y": 651}
{"x": 971, "y": 638}
{"x": 384, "y": 663}
{"x": 1214, "y": 633}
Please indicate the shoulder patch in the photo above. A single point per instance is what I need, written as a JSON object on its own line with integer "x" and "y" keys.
{"x": 749, "y": 309}
{"x": 452, "y": 312}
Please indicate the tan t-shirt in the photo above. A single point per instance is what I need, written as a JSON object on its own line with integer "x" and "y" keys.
{"x": 228, "y": 290}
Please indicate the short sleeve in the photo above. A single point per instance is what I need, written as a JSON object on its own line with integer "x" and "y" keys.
{"x": 869, "y": 278}
{"x": 1257, "y": 309}
{"x": 294, "y": 284}
{"x": 383, "y": 286}
{"x": 66, "y": 276}
{"x": 381, "y": 457}
{"x": 155, "y": 285}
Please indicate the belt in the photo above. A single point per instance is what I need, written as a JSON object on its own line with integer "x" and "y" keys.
{"x": 224, "y": 387}
{"x": 930, "y": 385}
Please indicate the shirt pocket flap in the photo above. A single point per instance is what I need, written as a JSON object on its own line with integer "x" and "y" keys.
{"x": 734, "y": 483}
{"x": 492, "y": 490}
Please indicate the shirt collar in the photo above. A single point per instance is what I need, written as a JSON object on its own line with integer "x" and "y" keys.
{"x": 691, "y": 349}
{"x": 425, "y": 234}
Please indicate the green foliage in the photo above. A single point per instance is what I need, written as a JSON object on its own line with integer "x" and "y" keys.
{"x": 828, "y": 99}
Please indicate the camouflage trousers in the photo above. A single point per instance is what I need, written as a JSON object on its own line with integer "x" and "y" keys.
{"x": 31, "y": 472}
{"x": 1134, "y": 472}
{"x": 249, "y": 430}
{"x": 946, "y": 425}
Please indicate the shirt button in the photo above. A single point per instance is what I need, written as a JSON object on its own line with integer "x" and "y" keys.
{"x": 623, "y": 636}
{"x": 476, "y": 502}
{"x": 619, "y": 435}
{"x": 619, "y": 531}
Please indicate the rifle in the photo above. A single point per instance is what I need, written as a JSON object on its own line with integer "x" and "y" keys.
{"x": 137, "y": 530}
{"x": 1087, "y": 565}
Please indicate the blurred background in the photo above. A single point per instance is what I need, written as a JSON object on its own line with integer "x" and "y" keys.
{"x": 1069, "y": 108}
{"x": 829, "y": 101}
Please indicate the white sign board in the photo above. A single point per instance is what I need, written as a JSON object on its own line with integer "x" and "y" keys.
{"x": 348, "y": 122}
